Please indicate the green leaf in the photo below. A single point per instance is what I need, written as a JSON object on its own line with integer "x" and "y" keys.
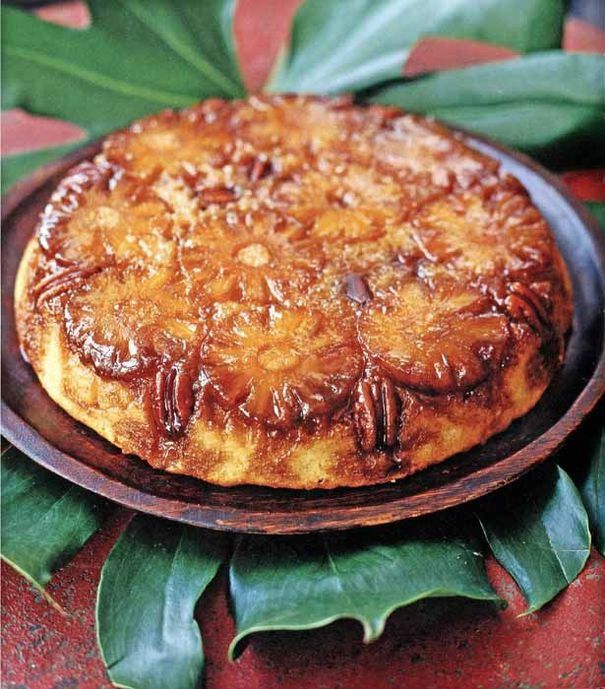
{"x": 593, "y": 490}
{"x": 45, "y": 520}
{"x": 19, "y": 165}
{"x": 531, "y": 103}
{"x": 597, "y": 208}
{"x": 337, "y": 46}
{"x": 303, "y": 583}
{"x": 149, "y": 586}
{"x": 136, "y": 58}
{"x": 538, "y": 531}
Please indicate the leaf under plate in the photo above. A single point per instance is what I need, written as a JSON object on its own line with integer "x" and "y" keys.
{"x": 149, "y": 587}
{"x": 593, "y": 490}
{"x": 45, "y": 520}
{"x": 336, "y": 46}
{"x": 538, "y": 531}
{"x": 308, "y": 582}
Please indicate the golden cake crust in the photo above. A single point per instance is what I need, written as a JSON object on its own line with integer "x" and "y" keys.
{"x": 292, "y": 292}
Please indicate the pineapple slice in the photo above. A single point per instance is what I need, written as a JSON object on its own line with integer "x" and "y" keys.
{"x": 280, "y": 365}
{"x": 437, "y": 340}
{"x": 290, "y": 121}
{"x": 340, "y": 226}
{"x": 53, "y": 233}
{"x": 250, "y": 265}
{"x": 125, "y": 322}
{"x": 172, "y": 140}
{"x": 483, "y": 236}
{"x": 463, "y": 237}
{"x": 88, "y": 223}
{"x": 419, "y": 146}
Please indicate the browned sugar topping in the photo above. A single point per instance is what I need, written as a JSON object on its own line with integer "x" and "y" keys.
{"x": 283, "y": 260}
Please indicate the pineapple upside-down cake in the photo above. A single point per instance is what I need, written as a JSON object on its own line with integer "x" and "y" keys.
{"x": 292, "y": 291}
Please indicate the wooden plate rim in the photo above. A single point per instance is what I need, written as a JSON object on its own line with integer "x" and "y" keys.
{"x": 247, "y": 519}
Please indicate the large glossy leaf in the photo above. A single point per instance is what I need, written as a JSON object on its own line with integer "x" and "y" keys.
{"x": 149, "y": 586}
{"x": 593, "y": 490}
{"x": 336, "y": 46}
{"x": 530, "y": 103}
{"x": 137, "y": 57}
{"x": 538, "y": 531}
{"x": 303, "y": 583}
{"x": 45, "y": 520}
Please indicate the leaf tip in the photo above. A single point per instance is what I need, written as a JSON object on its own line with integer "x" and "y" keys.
{"x": 372, "y": 629}
{"x": 236, "y": 647}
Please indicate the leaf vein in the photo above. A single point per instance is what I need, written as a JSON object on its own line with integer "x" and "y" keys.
{"x": 196, "y": 61}
{"x": 100, "y": 80}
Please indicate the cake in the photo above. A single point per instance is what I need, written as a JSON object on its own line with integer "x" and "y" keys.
{"x": 292, "y": 291}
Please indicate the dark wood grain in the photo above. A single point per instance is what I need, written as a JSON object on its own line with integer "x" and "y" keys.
{"x": 48, "y": 435}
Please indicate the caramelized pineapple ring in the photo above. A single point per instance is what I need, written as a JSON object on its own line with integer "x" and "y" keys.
{"x": 341, "y": 226}
{"x": 281, "y": 121}
{"x": 171, "y": 140}
{"x": 437, "y": 341}
{"x": 279, "y": 365}
{"x": 484, "y": 236}
{"x": 124, "y": 322}
{"x": 90, "y": 224}
{"x": 251, "y": 265}
{"x": 412, "y": 144}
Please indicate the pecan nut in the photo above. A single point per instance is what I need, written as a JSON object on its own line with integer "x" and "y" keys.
{"x": 260, "y": 168}
{"x": 216, "y": 195}
{"x": 523, "y": 304}
{"x": 55, "y": 284}
{"x": 357, "y": 288}
{"x": 173, "y": 400}
{"x": 376, "y": 413}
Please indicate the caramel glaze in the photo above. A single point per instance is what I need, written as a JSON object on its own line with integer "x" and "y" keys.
{"x": 288, "y": 263}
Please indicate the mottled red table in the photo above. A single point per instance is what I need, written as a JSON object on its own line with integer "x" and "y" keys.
{"x": 437, "y": 644}
{"x": 453, "y": 644}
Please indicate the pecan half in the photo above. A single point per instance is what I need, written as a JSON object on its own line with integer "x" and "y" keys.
{"x": 260, "y": 168}
{"x": 376, "y": 413}
{"x": 173, "y": 400}
{"x": 357, "y": 288}
{"x": 523, "y": 304}
{"x": 57, "y": 283}
{"x": 216, "y": 195}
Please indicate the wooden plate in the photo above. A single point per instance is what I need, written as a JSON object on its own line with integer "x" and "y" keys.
{"x": 33, "y": 423}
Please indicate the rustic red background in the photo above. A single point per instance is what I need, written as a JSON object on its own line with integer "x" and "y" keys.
{"x": 438, "y": 644}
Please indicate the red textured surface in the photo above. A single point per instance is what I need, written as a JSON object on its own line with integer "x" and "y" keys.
{"x": 261, "y": 28}
{"x": 437, "y": 644}
{"x": 582, "y": 37}
{"x": 22, "y": 132}
{"x": 436, "y": 53}
{"x": 588, "y": 185}
{"x": 455, "y": 644}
